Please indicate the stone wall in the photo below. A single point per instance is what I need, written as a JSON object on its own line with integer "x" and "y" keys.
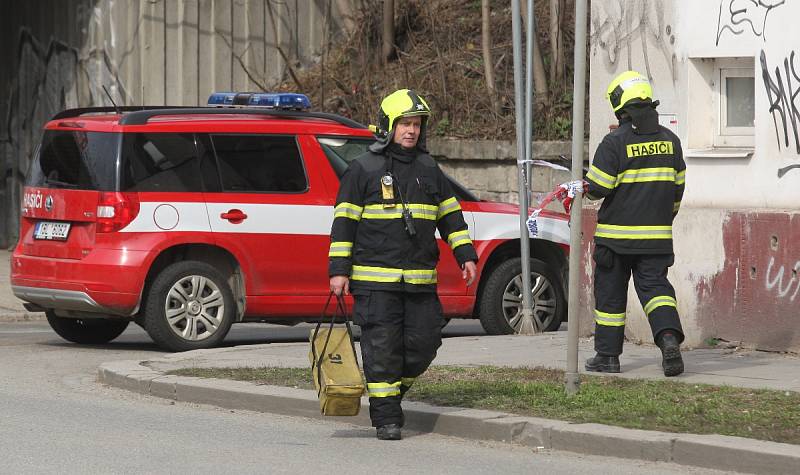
{"x": 489, "y": 167}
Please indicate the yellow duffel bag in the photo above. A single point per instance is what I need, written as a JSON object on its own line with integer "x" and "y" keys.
{"x": 334, "y": 365}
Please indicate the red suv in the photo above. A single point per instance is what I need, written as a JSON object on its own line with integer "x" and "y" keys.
{"x": 187, "y": 220}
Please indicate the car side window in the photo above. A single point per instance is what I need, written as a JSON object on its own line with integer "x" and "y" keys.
{"x": 259, "y": 163}
{"x": 159, "y": 162}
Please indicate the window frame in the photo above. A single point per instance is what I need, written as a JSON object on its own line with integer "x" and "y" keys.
{"x": 724, "y": 135}
{"x": 295, "y": 139}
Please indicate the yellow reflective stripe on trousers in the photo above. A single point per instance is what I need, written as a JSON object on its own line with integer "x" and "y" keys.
{"x": 609, "y": 319}
{"x": 660, "y": 301}
{"x": 446, "y": 207}
{"x": 458, "y": 238}
{"x": 680, "y": 178}
{"x": 383, "y": 389}
{"x": 612, "y": 231}
{"x": 348, "y": 210}
{"x": 601, "y": 178}
{"x": 340, "y": 249}
{"x": 390, "y": 274}
{"x": 421, "y": 276}
{"x": 644, "y": 175}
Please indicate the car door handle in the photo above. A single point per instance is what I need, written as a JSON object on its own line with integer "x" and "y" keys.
{"x": 235, "y": 216}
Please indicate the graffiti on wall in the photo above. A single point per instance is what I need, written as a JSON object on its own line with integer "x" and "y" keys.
{"x": 782, "y": 86}
{"x": 617, "y": 26}
{"x": 742, "y": 16}
{"x": 775, "y": 283}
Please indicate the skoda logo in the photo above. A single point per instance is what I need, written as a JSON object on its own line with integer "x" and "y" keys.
{"x": 48, "y": 203}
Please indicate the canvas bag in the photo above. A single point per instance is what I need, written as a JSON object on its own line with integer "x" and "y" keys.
{"x": 334, "y": 365}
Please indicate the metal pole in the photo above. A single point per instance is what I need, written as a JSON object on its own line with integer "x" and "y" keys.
{"x": 526, "y": 324}
{"x": 529, "y": 97}
{"x": 572, "y": 378}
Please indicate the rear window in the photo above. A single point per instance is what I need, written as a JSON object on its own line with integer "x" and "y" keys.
{"x": 341, "y": 151}
{"x": 259, "y": 163}
{"x": 76, "y": 159}
{"x": 160, "y": 162}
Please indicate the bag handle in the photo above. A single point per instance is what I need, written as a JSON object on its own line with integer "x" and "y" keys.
{"x": 340, "y": 309}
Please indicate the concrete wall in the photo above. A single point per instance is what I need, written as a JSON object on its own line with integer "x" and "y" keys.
{"x": 735, "y": 272}
{"x": 58, "y": 54}
{"x": 489, "y": 167}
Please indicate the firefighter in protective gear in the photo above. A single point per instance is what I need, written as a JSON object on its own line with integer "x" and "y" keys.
{"x": 383, "y": 250}
{"x": 640, "y": 173}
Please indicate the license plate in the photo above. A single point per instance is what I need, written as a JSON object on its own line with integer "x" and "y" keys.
{"x": 51, "y": 231}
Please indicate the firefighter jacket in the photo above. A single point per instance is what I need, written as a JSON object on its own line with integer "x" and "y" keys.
{"x": 369, "y": 239}
{"x": 641, "y": 178}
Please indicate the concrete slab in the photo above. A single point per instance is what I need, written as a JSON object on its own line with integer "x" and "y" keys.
{"x": 736, "y": 454}
{"x": 600, "y": 439}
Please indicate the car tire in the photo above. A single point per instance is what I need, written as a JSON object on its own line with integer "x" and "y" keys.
{"x": 501, "y": 298}
{"x": 86, "y": 331}
{"x": 189, "y": 306}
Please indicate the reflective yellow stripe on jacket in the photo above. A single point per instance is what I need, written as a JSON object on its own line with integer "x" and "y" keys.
{"x": 613, "y": 231}
{"x": 389, "y": 274}
{"x": 601, "y": 178}
{"x": 383, "y": 389}
{"x": 419, "y": 211}
{"x": 446, "y": 207}
{"x": 340, "y": 249}
{"x": 348, "y": 210}
{"x": 458, "y": 238}
{"x": 643, "y": 175}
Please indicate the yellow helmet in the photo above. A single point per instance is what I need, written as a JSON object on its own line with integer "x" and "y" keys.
{"x": 626, "y": 87}
{"x": 401, "y": 103}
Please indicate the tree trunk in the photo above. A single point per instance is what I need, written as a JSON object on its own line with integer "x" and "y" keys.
{"x": 556, "y": 43}
{"x": 540, "y": 90}
{"x": 388, "y": 31}
{"x": 346, "y": 10}
{"x": 488, "y": 64}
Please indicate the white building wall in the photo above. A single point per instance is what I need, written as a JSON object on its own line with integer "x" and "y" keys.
{"x": 736, "y": 269}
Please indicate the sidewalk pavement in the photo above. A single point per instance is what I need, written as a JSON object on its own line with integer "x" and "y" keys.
{"x": 721, "y": 366}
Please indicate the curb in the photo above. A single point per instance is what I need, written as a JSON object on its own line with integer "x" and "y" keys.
{"x": 21, "y": 316}
{"x": 707, "y": 451}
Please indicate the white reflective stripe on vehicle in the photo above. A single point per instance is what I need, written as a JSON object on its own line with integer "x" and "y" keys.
{"x": 173, "y": 216}
{"x": 490, "y": 226}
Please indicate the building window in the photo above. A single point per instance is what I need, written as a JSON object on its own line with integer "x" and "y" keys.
{"x": 736, "y": 107}
{"x": 720, "y": 119}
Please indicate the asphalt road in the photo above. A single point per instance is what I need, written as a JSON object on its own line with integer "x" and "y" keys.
{"x": 55, "y": 417}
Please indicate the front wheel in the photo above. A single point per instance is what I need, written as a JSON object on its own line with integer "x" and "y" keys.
{"x": 189, "y": 306}
{"x": 89, "y": 331}
{"x": 501, "y": 299}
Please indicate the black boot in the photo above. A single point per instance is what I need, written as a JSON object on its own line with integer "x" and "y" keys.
{"x": 603, "y": 364}
{"x": 389, "y": 432}
{"x": 671, "y": 361}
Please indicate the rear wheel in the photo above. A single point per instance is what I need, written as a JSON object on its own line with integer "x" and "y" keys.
{"x": 189, "y": 306}
{"x": 86, "y": 331}
{"x": 501, "y": 299}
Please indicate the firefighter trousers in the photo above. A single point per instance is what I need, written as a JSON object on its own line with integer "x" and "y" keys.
{"x": 400, "y": 333}
{"x": 611, "y": 275}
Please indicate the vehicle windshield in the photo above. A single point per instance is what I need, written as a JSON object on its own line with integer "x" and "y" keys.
{"x": 75, "y": 159}
{"x": 343, "y": 150}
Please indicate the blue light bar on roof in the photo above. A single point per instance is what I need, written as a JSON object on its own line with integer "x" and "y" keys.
{"x": 272, "y": 100}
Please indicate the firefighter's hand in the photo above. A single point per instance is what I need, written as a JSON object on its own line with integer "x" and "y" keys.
{"x": 468, "y": 272}
{"x": 339, "y": 284}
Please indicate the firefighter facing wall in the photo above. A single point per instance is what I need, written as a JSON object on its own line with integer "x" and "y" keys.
{"x": 723, "y": 79}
